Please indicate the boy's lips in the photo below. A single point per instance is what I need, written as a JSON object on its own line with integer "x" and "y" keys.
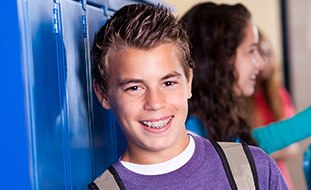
{"x": 156, "y": 124}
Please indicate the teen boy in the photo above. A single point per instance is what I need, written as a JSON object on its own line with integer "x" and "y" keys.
{"x": 143, "y": 73}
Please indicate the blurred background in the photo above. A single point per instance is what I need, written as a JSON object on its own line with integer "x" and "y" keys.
{"x": 54, "y": 135}
{"x": 285, "y": 24}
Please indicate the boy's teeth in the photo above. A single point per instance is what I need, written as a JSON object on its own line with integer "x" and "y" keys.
{"x": 156, "y": 124}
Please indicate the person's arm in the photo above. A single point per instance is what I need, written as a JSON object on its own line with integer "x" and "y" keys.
{"x": 279, "y": 135}
{"x": 289, "y": 152}
{"x": 288, "y": 111}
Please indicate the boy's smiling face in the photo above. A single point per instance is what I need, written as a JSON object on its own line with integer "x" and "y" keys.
{"x": 148, "y": 92}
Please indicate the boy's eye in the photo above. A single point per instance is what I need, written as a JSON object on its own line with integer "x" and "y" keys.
{"x": 169, "y": 83}
{"x": 132, "y": 88}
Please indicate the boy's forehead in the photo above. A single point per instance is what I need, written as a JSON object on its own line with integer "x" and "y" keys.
{"x": 163, "y": 56}
{"x": 118, "y": 51}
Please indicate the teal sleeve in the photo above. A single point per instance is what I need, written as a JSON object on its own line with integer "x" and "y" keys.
{"x": 281, "y": 134}
{"x": 195, "y": 125}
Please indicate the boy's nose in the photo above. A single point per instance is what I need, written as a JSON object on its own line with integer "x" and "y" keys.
{"x": 154, "y": 100}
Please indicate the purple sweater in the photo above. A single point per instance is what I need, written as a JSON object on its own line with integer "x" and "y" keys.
{"x": 203, "y": 171}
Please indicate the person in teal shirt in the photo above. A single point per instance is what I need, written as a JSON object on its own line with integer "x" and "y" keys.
{"x": 279, "y": 135}
{"x": 272, "y": 137}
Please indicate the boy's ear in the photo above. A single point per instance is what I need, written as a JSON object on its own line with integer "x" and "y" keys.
{"x": 189, "y": 84}
{"x": 102, "y": 97}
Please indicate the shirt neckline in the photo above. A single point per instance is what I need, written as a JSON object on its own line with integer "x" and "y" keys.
{"x": 164, "y": 167}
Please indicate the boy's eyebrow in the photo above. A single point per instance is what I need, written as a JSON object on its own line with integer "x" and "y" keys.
{"x": 128, "y": 81}
{"x": 171, "y": 75}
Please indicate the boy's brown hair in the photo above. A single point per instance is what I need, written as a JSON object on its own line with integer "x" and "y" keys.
{"x": 139, "y": 26}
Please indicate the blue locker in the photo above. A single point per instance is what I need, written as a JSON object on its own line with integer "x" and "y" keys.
{"x": 42, "y": 94}
{"x": 104, "y": 138}
{"x": 71, "y": 138}
{"x": 77, "y": 117}
{"x": 58, "y": 104}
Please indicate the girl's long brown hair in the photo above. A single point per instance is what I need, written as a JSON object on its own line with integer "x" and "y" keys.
{"x": 215, "y": 33}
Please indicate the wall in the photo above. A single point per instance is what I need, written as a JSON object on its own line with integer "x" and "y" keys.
{"x": 299, "y": 51}
{"x": 299, "y": 28}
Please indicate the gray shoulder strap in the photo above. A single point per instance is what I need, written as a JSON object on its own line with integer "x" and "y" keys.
{"x": 239, "y": 165}
{"x": 109, "y": 180}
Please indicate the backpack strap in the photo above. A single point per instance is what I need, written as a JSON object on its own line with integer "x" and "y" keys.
{"x": 238, "y": 164}
{"x": 251, "y": 163}
{"x": 109, "y": 180}
{"x": 225, "y": 163}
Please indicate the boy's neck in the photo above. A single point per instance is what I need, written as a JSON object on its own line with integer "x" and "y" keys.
{"x": 144, "y": 156}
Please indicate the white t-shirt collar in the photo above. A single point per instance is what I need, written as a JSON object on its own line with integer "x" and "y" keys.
{"x": 164, "y": 167}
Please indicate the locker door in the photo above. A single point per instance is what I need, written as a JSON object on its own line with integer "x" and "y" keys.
{"x": 72, "y": 139}
{"x": 42, "y": 97}
{"x": 108, "y": 141}
{"x": 76, "y": 109}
